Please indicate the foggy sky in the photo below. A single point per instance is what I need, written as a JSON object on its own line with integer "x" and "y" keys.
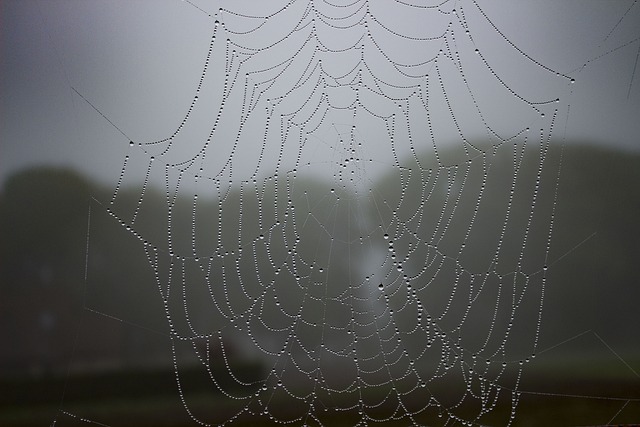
{"x": 139, "y": 62}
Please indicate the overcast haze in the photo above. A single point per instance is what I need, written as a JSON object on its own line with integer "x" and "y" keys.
{"x": 139, "y": 62}
{"x": 449, "y": 240}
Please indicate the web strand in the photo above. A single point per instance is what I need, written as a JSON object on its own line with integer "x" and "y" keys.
{"x": 359, "y": 204}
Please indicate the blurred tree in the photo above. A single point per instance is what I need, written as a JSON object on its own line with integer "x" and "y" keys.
{"x": 593, "y": 280}
{"x": 592, "y": 277}
{"x": 43, "y": 214}
{"x": 310, "y": 235}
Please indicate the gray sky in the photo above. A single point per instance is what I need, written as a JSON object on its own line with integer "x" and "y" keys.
{"x": 139, "y": 63}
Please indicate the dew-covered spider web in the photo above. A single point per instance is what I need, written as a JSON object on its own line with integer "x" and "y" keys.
{"x": 351, "y": 221}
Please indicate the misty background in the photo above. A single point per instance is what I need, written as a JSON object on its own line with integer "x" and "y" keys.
{"x": 86, "y": 84}
{"x": 114, "y": 322}
{"x": 138, "y": 63}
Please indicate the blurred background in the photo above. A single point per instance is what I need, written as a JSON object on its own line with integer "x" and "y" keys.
{"x": 105, "y": 339}
{"x": 83, "y": 315}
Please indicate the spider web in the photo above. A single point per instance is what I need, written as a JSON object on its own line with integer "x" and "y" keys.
{"x": 371, "y": 194}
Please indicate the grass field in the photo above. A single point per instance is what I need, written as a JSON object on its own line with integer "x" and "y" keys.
{"x": 578, "y": 394}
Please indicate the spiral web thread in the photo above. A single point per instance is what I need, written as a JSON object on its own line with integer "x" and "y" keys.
{"x": 344, "y": 166}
